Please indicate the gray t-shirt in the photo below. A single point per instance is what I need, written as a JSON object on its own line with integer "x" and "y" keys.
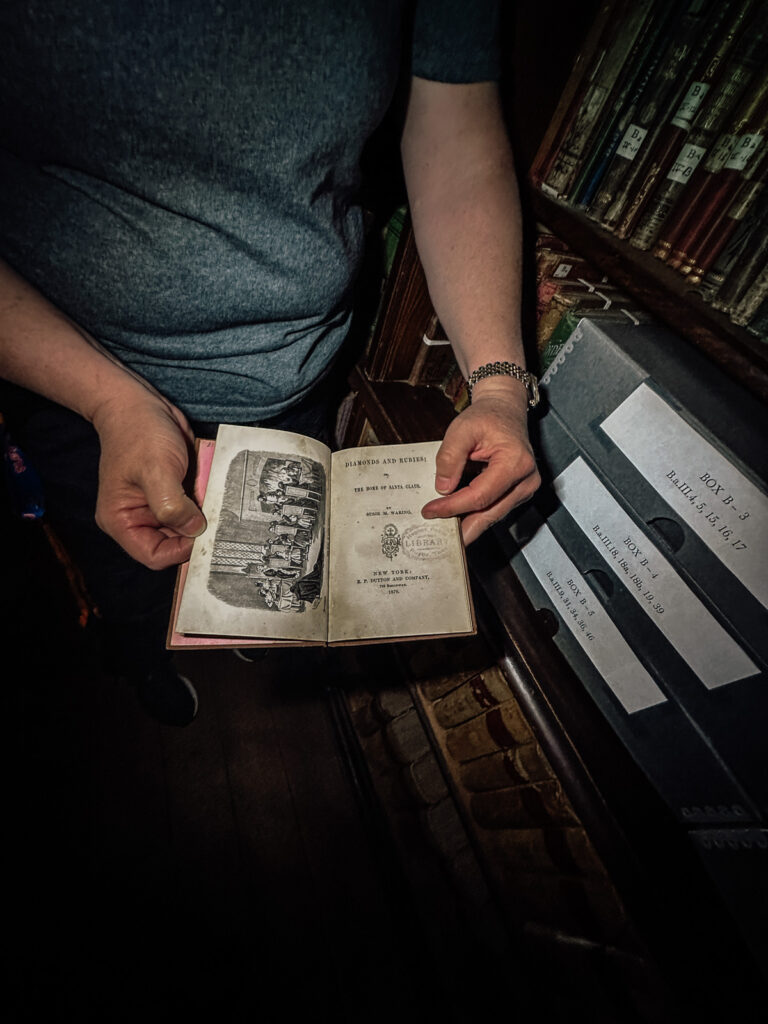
{"x": 181, "y": 177}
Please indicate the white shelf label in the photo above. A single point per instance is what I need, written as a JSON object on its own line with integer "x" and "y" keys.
{"x": 632, "y": 141}
{"x": 686, "y": 163}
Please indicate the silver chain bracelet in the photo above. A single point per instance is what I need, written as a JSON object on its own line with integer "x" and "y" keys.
{"x": 506, "y": 369}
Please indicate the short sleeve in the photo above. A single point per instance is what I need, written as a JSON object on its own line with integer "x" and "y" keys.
{"x": 456, "y": 40}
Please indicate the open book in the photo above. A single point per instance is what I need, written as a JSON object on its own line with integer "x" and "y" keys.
{"x": 309, "y": 546}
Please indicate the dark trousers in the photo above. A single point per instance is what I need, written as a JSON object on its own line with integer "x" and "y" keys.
{"x": 133, "y": 602}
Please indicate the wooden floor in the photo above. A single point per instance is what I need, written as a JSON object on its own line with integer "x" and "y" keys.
{"x": 227, "y": 870}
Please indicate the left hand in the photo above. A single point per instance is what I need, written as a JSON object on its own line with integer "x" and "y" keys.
{"x": 493, "y": 430}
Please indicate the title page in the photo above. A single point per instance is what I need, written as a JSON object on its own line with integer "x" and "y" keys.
{"x": 393, "y": 573}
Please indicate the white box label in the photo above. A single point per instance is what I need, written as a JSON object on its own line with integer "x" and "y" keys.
{"x": 722, "y": 507}
{"x": 652, "y": 581}
{"x": 589, "y": 622}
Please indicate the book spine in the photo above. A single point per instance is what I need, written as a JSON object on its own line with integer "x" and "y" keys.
{"x": 703, "y": 181}
{"x": 696, "y": 186}
{"x": 570, "y": 100}
{"x": 425, "y": 780}
{"x": 511, "y": 767}
{"x": 640, "y": 67}
{"x": 406, "y": 737}
{"x": 557, "y": 339}
{"x": 752, "y": 299}
{"x": 721, "y": 188}
{"x": 744, "y": 268}
{"x": 713, "y": 47}
{"x": 647, "y": 120}
{"x": 735, "y": 249}
{"x": 501, "y": 727}
{"x": 484, "y": 691}
{"x": 758, "y": 325}
{"x": 700, "y": 126}
{"x": 583, "y": 301}
{"x": 723, "y": 227}
{"x": 535, "y": 805}
{"x": 603, "y": 79}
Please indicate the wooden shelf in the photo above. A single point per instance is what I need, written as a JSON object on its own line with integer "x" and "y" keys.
{"x": 401, "y": 412}
{"x": 661, "y": 291}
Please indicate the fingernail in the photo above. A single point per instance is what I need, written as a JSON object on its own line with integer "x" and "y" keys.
{"x": 442, "y": 484}
{"x": 194, "y": 527}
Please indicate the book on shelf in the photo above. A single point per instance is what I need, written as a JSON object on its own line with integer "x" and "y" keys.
{"x": 485, "y": 690}
{"x": 751, "y": 300}
{"x": 739, "y": 247}
{"x": 721, "y": 189}
{"x": 558, "y": 339}
{"x": 715, "y": 180}
{"x": 308, "y": 546}
{"x": 758, "y": 325}
{"x": 574, "y": 295}
{"x": 511, "y": 767}
{"x": 557, "y": 263}
{"x": 404, "y": 315}
{"x": 675, "y": 87}
{"x": 738, "y": 273}
{"x": 640, "y": 67}
{"x": 608, "y": 62}
{"x": 554, "y": 269}
{"x": 739, "y": 55}
{"x": 722, "y": 226}
{"x": 586, "y": 63}
{"x": 500, "y": 727}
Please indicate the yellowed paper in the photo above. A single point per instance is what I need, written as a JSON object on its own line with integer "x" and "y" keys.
{"x": 260, "y": 569}
{"x": 393, "y": 573}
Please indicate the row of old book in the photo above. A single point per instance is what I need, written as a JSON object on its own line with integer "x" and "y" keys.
{"x": 659, "y": 138}
{"x": 541, "y": 866}
{"x": 468, "y": 759}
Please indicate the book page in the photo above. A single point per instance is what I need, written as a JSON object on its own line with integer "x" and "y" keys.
{"x": 393, "y": 573}
{"x": 260, "y": 569}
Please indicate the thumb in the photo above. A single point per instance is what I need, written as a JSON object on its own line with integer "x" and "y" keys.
{"x": 173, "y": 508}
{"x": 450, "y": 461}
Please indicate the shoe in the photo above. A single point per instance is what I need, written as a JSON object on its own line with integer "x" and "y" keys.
{"x": 167, "y": 696}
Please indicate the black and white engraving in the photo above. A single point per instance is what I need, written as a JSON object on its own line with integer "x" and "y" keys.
{"x": 268, "y": 547}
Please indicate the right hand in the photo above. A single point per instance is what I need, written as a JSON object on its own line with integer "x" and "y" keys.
{"x": 145, "y": 455}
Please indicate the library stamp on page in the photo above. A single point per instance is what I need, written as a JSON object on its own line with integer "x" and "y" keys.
{"x": 425, "y": 542}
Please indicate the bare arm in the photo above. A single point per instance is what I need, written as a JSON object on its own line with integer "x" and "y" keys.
{"x": 463, "y": 197}
{"x": 144, "y": 439}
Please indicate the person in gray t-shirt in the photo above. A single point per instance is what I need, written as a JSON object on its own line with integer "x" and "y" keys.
{"x": 180, "y": 228}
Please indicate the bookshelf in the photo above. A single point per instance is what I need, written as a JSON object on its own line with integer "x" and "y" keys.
{"x": 662, "y": 292}
{"x": 673, "y": 928}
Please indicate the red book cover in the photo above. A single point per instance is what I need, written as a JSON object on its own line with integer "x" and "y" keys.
{"x": 716, "y": 199}
{"x": 720, "y": 230}
{"x": 730, "y": 154}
